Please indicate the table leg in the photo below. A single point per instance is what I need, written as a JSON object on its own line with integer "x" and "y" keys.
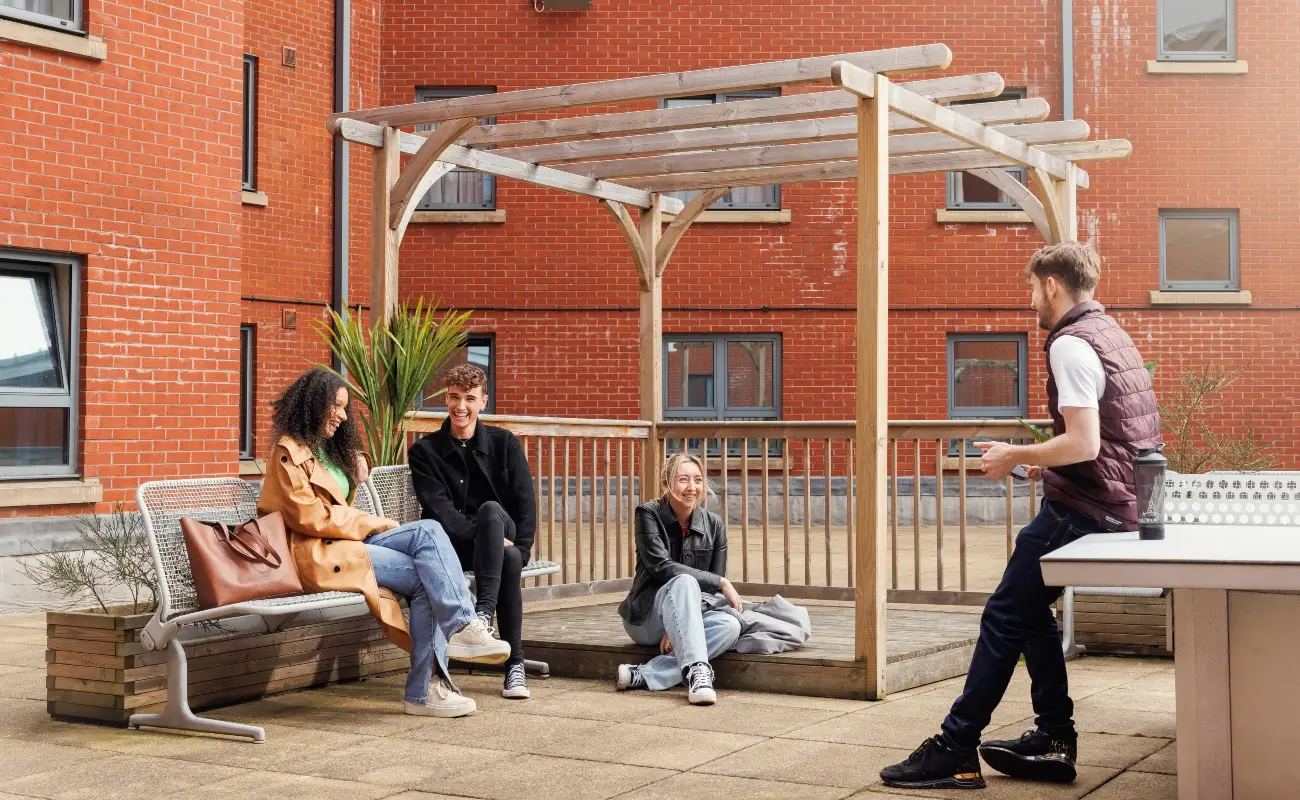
{"x": 1203, "y": 701}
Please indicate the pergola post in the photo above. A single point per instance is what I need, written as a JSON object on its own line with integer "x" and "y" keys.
{"x": 651, "y": 343}
{"x": 872, "y": 412}
{"x": 383, "y": 239}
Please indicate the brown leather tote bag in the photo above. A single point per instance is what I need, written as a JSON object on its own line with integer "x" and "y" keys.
{"x": 250, "y": 562}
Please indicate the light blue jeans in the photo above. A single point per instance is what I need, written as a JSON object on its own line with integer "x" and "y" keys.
{"x": 417, "y": 560}
{"x": 696, "y": 635}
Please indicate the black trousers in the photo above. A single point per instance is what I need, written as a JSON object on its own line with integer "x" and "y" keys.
{"x": 496, "y": 574}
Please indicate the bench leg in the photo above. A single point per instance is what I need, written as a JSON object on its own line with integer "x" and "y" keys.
{"x": 1069, "y": 646}
{"x": 540, "y": 667}
{"x": 178, "y": 716}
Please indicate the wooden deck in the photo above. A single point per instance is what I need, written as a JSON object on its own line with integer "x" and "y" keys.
{"x": 923, "y": 646}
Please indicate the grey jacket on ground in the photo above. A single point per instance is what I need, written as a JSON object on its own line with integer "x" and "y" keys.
{"x": 771, "y": 627}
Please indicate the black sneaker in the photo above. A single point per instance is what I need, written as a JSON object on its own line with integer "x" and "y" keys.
{"x": 699, "y": 685}
{"x": 934, "y": 765}
{"x": 1035, "y": 756}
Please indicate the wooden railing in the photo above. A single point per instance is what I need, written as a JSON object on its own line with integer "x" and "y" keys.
{"x": 788, "y": 489}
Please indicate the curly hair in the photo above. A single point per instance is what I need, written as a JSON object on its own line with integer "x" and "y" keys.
{"x": 300, "y": 414}
{"x": 465, "y": 377}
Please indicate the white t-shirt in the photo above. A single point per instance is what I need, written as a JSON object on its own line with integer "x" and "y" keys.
{"x": 1080, "y": 379}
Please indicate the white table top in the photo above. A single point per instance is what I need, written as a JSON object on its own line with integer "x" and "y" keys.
{"x": 1265, "y": 558}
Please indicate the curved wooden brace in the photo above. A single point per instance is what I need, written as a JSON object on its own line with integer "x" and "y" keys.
{"x": 404, "y": 193}
{"x": 1020, "y": 193}
{"x": 435, "y": 174}
{"x": 628, "y": 227}
{"x": 677, "y": 228}
{"x": 1045, "y": 191}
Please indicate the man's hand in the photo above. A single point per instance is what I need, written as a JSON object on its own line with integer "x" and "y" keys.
{"x": 998, "y": 460}
{"x": 509, "y": 543}
{"x": 732, "y": 596}
{"x": 665, "y": 645}
{"x": 363, "y": 469}
{"x": 1035, "y": 473}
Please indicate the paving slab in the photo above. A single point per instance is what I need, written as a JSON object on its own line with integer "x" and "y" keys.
{"x": 824, "y": 763}
{"x": 694, "y": 786}
{"x": 18, "y": 758}
{"x": 1001, "y": 787}
{"x": 649, "y": 746}
{"x": 278, "y": 785}
{"x": 1095, "y": 718}
{"x": 746, "y": 718}
{"x": 545, "y": 778}
{"x": 606, "y": 705}
{"x": 871, "y": 729}
{"x": 1144, "y": 785}
{"x": 119, "y": 777}
{"x": 1164, "y": 761}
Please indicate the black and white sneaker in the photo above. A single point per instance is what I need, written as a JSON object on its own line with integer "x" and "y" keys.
{"x": 630, "y": 677}
{"x": 516, "y": 685}
{"x": 699, "y": 685}
{"x": 1034, "y": 756}
{"x": 934, "y": 765}
{"x": 487, "y": 621}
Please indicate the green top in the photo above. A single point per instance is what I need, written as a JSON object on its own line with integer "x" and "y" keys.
{"x": 340, "y": 477}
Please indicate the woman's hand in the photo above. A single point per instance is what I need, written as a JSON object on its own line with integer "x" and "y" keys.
{"x": 363, "y": 469}
{"x": 732, "y": 596}
{"x": 665, "y": 645}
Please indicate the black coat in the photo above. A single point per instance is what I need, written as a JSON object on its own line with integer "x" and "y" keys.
{"x": 437, "y": 471}
{"x": 704, "y": 555}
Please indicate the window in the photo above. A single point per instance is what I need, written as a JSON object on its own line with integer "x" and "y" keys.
{"x": 250, "y": 124}
{"x": 247, "y": 382}
{"x": 724, "y": 376}
{"x": 744, "y": 198}
{"x": 986, "y": 375}
{"x": 38, "y": 364}
{"x": 479, "y": 351}
{"x": 460, "y": 189}
{"x": 1196, "y": 30}
{"x": 967, "y": 192}
{"x": 61, "y": 14}
{"x": 1198, "y": 250}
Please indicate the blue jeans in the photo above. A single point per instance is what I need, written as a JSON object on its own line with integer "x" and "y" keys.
{"x": 696, "y": 635}
{"x": 417, "y": 560}
{"x": 1018, "y": 619}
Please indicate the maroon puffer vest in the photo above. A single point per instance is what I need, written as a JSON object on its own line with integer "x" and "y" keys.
{"x": 1103, "y": 488}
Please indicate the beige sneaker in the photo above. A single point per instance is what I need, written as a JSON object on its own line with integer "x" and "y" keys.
{"x": 475, "y": 643}
{"x": 443, "y": 701}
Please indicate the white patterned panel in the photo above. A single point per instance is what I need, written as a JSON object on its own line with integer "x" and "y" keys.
{"x": 1234, "y": 498}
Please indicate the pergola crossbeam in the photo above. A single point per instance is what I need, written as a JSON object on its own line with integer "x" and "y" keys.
{"x": 793, "y": 72}
{"x": 788, "y": 132}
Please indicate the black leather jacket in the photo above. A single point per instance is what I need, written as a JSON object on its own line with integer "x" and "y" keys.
{"x": 437, "y": 474}
{"x": 704, "y": 555}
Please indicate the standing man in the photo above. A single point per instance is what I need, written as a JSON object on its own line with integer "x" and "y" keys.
{"x": 474, "y": 479}
{"x": 1104, "y": 411}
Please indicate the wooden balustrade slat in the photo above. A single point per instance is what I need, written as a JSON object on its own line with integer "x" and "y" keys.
{"x": 826, "y": 493}
{"x": 564, "y": 517}
{"x": 604, "y": 542}
{"x": 744, "y": 510}
{"x": 916, "y": 517}
{"x": 618, "y": 504}
{"x": 785, "y": 508}
{"x": 893, "y": 516}
{"x": 550, "y": 512}
{"x": 961, "y": 509}
{"x": 939, "y": 454}
{"x": 577, "y": 529}
{"x": 1010, "y": 511}
{"x": 766, "y": 575}
{"x": 807, "y": 512}
{"x": 850, "y": 509}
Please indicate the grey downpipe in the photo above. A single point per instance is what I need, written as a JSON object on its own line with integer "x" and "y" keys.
{"x": 1067, "y": 59}
{"x": 340, "y": 177}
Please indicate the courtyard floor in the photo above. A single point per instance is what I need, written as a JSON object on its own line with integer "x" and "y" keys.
{"x": 574, "y": 740}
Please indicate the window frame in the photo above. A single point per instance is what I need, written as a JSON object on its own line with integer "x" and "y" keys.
{"x": 726, "y": 97}
{"x": 953, "y": 197}
{"x": 423, "y": 94}
{"x": 66, "y": 294}
{"x": 476, "y": 339}
{"x": 1233, "y": 283}
{"x": 248, "y": 126}
{"x": 1201, "y": 55}
{"x": 247, "y": 389}
{"x": 721, "y": 409}
{"x": 1022, "y": 387}
{"x": 76, "y": 25}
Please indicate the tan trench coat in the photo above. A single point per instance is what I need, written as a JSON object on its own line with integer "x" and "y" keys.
{"x": 326, "y": 533}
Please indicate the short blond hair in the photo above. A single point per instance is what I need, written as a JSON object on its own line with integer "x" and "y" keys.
{"x": 674, "y": 463}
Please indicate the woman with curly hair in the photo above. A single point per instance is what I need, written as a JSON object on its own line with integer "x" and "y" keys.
{"x": 313, "y": 472}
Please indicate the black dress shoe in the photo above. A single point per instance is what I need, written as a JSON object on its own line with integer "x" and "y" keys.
{"x": 1035, "y": 756}
{"x": 934, "y": 765}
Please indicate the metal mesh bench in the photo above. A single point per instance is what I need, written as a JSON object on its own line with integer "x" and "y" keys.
{"x": 394, "y": 497}
{"x": 232, "y": 501}
{"x": 1215, "y": 498}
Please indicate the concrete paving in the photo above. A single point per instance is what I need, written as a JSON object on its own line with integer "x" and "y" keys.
{"x": 575, "y": 740}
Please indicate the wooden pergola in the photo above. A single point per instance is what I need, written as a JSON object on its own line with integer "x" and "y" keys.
{"x": 867, "y": 127}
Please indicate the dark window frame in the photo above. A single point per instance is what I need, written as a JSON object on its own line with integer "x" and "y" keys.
{"x": 248, "y": 128}
{"x": 725, "y": 97}
{"x": 1193, "y": 55}
{"x": 63, "y": 274}
{"x": 247, "y": 389}
{"x": 1234, "y": 250}
{"x": 721, "y": 409}
{"x": 488, "y": 340}
{"x": 424, "y": 94}
{"x": 1022, "y": 383}
{"x": 75, "y": 25}
{"x": 954, "y": 199}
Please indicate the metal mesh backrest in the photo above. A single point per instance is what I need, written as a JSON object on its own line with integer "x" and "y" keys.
{"x": 163, "y": 503}
{"x": 1234, "y": 498}
{"x": 396, "y": 496}
{"x": 365, "y": 501}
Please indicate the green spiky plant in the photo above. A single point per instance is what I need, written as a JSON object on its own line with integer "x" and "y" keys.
{"x": 388, "y": 366}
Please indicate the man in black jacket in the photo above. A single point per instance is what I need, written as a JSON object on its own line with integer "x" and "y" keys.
{"x": 474, "y": 479}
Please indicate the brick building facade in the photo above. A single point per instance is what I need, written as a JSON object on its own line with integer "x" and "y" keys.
{"x": 122, "y": 168}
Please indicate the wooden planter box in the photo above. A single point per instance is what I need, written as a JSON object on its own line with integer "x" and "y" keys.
{"x": 97, "y": 669}
{"x": 1135, "y": 626}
